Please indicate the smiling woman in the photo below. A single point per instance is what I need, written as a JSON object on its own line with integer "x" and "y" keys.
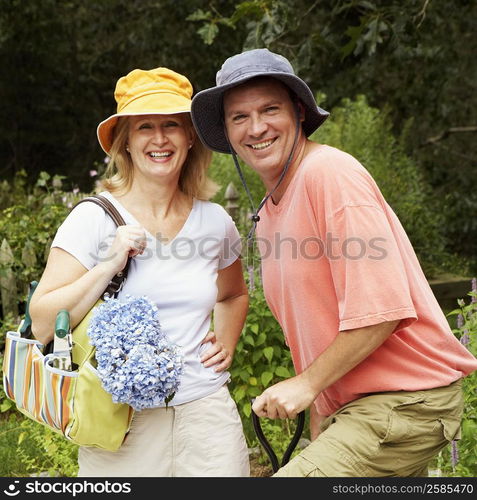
{"x": 157, "y": 181}
{"x": 159, "y": 144}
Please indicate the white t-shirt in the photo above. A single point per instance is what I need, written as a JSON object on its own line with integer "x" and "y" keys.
{"x": 178, "y": 276}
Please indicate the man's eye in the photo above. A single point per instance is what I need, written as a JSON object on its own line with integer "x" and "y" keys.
{"x": 271, "y": 109}
{"x": 238, "y": 118}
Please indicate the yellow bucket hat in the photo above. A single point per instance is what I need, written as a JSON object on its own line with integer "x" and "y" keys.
{"x": 158, "y": 91}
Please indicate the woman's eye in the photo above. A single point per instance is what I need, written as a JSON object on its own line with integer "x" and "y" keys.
{"x": 144, "y": 125}
{"x": 171, "y": 124}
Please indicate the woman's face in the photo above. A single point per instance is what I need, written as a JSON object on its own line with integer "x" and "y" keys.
{"x": 159, "y": 145}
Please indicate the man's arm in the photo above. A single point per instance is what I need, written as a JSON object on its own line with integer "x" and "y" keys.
{"x": 287, "y": 398}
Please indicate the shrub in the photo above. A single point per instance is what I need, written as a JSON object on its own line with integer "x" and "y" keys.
{"x": 261, "y": 358}
{"x": 28, "y": 223}
{"x": 458, "y": 459}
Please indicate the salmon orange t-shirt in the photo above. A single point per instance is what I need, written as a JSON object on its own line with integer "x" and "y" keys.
{"x": 335, "y": 257}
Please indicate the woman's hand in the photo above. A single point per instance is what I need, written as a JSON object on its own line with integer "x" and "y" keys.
{"x": 130, "y": 240}
{"x": 217, "y": 354}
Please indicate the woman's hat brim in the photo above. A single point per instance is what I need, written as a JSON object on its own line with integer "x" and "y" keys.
{"x": 207, "y": 109}
{"x": 162, "y": 103}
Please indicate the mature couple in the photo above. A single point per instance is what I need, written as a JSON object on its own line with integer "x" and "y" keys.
{"x": 376, "y": 362}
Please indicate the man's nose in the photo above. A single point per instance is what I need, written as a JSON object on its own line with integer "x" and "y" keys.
{"x": 257, "y": 126}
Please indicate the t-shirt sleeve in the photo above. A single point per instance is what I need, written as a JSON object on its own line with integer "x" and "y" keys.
{"x": 86, "y": 234}
{"x": 231, "y": 247}
{"x": 368, "y": 273}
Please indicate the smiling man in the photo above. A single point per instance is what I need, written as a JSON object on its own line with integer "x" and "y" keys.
{"x": 376, "y": 361}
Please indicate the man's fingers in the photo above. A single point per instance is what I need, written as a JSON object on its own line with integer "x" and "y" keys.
{"x": 259, "y": 407}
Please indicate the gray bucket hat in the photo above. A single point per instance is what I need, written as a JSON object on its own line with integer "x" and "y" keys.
{"x": 207, "y": 105}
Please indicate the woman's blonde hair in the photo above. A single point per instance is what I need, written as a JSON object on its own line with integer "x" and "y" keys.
{"x": 193, "y": 180}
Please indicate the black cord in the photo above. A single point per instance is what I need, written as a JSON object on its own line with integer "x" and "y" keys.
{"x": 267, "y": 447}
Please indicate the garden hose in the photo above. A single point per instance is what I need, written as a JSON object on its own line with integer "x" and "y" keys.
{"x": 267, "y": 447}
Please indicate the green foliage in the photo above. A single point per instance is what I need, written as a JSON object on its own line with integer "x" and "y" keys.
{"x": 6, "y": 405}
{"x": 41, "y": 450}
{"x": 28, "y": 448}
{"x": 464, "y": 449}
{"x": 10, "y": 428}
{"x": 29, "y": 218}
{"x": 223, "y": 171}
{"x": 279, "y": 434}
{"x": 261, "y": 358}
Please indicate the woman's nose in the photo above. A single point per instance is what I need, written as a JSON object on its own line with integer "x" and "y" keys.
{"x": 160, "y": 137}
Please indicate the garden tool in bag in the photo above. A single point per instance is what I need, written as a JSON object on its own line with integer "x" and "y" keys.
{"x": 268, "y": 448}
{"x": 62, "y": 343}
{"x": 57, "y": 385}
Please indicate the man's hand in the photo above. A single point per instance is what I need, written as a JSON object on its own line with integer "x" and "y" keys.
{"x": 285, "y": 399}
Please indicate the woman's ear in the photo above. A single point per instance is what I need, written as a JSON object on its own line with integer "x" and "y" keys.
{"x": 192, "y": 136}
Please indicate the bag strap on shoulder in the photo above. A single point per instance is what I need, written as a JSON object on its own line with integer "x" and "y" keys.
{"x": 117, "y": 281}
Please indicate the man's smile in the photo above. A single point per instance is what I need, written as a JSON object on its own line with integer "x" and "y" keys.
{"x": 262, "y": 145}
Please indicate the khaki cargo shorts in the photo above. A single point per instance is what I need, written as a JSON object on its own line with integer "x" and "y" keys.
{"x": 383, "y": 435}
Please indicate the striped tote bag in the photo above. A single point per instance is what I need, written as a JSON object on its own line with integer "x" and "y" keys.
{"x": 42, "y": 392}
{"x": 72, "y": 403}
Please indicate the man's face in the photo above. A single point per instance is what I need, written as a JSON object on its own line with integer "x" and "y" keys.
{"x": 261, "y": 125}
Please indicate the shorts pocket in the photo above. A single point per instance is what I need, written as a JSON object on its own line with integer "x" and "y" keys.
{"x": 400, "y": 420}
{"x": 451, "y": 427}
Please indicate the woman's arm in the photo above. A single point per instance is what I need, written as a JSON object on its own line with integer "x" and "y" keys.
{"x": 229, "y": 317}
{"x": 67, "y": 284}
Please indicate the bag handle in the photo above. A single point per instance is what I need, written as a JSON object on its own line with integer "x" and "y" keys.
{"x": 118, "y": 279}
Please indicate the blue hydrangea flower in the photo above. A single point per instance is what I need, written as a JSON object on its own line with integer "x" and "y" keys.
{"x": 137, "y": 364}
